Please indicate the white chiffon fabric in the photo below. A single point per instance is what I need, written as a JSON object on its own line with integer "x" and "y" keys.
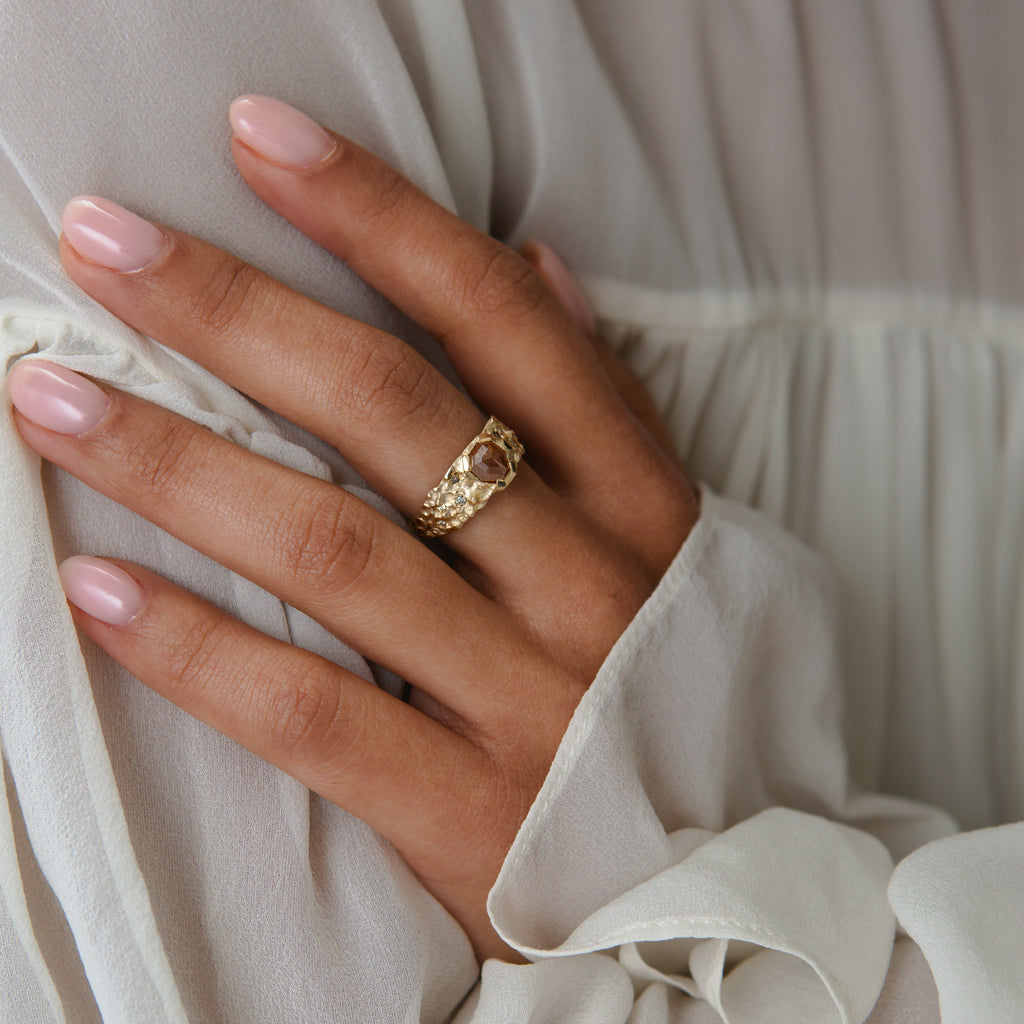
{"x": 803, "y": 224}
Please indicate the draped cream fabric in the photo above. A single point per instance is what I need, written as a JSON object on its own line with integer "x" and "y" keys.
{"x": 803, "y": 223}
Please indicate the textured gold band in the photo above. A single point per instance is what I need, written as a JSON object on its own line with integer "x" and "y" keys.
{"x": 487, "y": 464}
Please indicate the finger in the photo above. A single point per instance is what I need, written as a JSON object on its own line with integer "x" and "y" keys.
{"x": 312, "y": 544}
{"x": 326, "y": 726}
{"x": 402, "y": 773}
{"x": 514, "y": 347}
{"x": 359, "y": 388}
{"x": 394, "y": 417}
{"x": 556, "y": 275}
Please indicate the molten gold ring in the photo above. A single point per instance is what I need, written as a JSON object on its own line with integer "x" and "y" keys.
{"x": 487, "y": 464}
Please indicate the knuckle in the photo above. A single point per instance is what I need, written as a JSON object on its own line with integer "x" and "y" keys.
{"x": 386, "y": 194}
{"x": 195, "y": 655}
{"x": 625, "y": 589}
{"x": 551, "y": 713}
{"x": 503, "y": 285}
{"x": 672, "y": 508}
{"x": 230, "y": 297}
{"x": 329, "y": 549}
{"x": 158, "y": 463}
{"x": 390, "y": 385}
{"x": 305, "y": 719}
{"x": 492, "y": 816}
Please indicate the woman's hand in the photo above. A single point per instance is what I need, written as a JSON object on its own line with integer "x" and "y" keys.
{"x": 501, "y": 643}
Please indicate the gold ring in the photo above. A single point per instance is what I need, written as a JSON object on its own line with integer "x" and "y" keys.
{"x": 487, "y": 464}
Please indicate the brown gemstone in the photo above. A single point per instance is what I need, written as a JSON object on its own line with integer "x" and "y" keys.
{"x": 488, "y": 462}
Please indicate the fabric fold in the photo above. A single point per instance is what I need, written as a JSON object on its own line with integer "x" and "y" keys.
{"x": 684, "y": 724}
{"x": 975, "y": 945}
{"x": 776, "y": 238}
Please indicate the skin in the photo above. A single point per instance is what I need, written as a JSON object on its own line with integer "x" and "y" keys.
{"x": 549, "y": 574}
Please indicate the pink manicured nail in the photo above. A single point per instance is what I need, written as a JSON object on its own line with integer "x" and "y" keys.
{"x": 558, "y": 278}
{"x": 108, "y": 234}
{"x": 101, "y": 589}
{"x": 55, "y": 397}
{"x": 279, "y": 132}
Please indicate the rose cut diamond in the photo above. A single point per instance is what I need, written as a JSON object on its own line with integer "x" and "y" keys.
{"x": 488, "y": 462}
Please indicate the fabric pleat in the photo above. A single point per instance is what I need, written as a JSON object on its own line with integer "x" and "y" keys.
{"x": 802, "y": 223}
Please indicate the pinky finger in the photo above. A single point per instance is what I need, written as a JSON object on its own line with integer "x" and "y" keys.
{"x": 557, "y": 276}
{"x": 330, "y": 729}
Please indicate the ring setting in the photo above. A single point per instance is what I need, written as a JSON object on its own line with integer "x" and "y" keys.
{"x": 486, "y": 465}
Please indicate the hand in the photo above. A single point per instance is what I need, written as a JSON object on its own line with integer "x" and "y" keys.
{"x": 501, "y": 639}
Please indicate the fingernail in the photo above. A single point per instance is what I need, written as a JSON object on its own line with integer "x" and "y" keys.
{"x": 101, "y": 589}
{"x": 110, "y": 235}
{"x": 279, "y": 132}
{"x": 56, "y": 398}
{"x": 559, "y": 279}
